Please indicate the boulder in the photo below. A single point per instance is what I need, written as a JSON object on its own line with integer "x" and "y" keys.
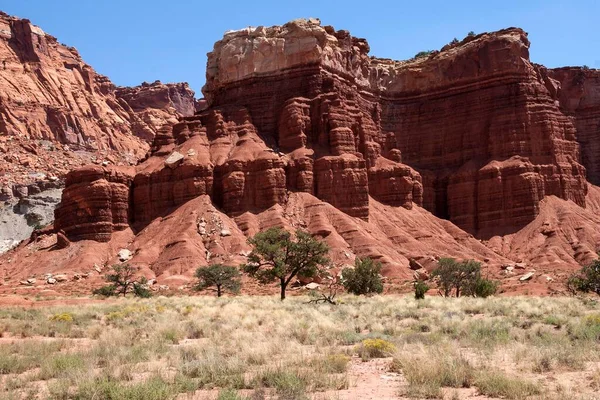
{"x": 527, "y": 276}
{"x": 174, "y": 159}
{"x": 125, "y": 255}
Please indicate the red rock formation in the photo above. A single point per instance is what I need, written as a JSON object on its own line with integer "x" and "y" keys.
{"x": 349, "y": 126}
{"x": 95, "y": 203}
{"x": 153, "y": 105}
{"x": 321, "y": 91}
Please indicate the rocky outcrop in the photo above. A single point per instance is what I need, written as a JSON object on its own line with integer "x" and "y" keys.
{"x": 152, "y": 105}
{"x": 95, "y": 203}
{"x": 458, "y": 117}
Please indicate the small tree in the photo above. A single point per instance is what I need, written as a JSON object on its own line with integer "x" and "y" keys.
{"x": 276, "y": 255}
{"x": 221, "y": 277}
{"x": 462, "y": 278}
{"x": 364, "y": 278}
{"x": 586, "y": 280}
{"x": 470, "y": 34}
{"x": 420, "y": 289}
{"x": 484, "y": 288}
{"x": 122, "y": 281}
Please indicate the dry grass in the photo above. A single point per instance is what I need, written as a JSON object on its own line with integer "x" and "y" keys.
{"x": 258, "y": 347}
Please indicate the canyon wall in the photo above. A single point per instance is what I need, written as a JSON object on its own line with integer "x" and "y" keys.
{"x": 474, "y": 132}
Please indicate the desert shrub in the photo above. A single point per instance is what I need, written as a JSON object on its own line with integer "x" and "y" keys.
{"x": 592, "y": 320}
{"x": 428, "y": 373}
{"x": 171, "y": 335}
{"x": 470, "y": 34}
{"x": 105, "y": 291}
{"x": 103, "y": 387}
{"x": 287, "y": 384}
{"x": 229, "y": 394}
{"x": 333, "y": 363}
{"x": 422, "y": 54}
{"x": 375, "y": 348}
{"x": 364, "y": 278}
{"x": 140, "y": 289}
{"x": 420, "y": 289}
{"x": 497, "y": 384}
{"x": 211, "y": 369}
{"x": 585, "y": 280}
{"x": 62, "y": 317}
{"x": 60, "y": 365}
{"x": 221, "y": 277}
{"x": 462, "y": 278}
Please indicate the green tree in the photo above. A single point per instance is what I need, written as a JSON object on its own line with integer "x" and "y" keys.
{"x": 420, "y": 289}
{"x": 462, "y": 278}
{"x": 221, "y": 277}
{"x": 470, "y": 34}
{"x": 484, "y": 288}
{"x": 277, "y": 255}
{"x": 122, "y": 281}
{"x": 586, "y": 280}
{"x": 364, "y": 278}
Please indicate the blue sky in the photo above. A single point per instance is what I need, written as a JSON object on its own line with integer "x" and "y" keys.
{"x": 133, "y": 41}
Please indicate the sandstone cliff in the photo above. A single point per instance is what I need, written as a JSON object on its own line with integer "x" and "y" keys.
{"x": 579, "y": 97}
{"x": 302, "y": 128}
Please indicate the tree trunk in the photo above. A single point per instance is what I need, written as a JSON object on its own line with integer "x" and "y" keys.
{"x": 283, "y": 285}
{"x": 218, "y": 290}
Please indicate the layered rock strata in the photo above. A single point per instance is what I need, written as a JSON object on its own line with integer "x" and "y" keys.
{"x": 473, "y": 132}
{"x": 579, "y": 97}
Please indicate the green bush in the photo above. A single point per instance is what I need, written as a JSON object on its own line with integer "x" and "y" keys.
{"x": 422, "y": 54}
{"x": 420, "y": 289}
{"x": 364, "y": 278}
{"x": 462, "y": 278}
{"x": 140, "y": 289}
{"x": 105, "y": 291}
{"x": 485, "y": 288}
{"x": 62, "y": 317}
{"x": 585, "y": 280}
